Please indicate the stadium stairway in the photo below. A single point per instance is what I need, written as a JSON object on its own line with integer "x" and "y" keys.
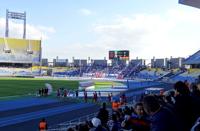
{"x": 178, "y": 73}
{"x": 27, "y": 118}
{"x": 166, "y": 75}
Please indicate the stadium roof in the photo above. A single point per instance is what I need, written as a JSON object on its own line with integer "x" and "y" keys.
{"x": 193, "y": 59}
{"x": 193, "y": 3}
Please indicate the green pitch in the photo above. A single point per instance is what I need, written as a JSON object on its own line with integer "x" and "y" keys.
{"x": 108, "y": 84}
{"x": 23, "y": 86}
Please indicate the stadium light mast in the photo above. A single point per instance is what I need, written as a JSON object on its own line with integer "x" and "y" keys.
{"x": 15, "y": 15}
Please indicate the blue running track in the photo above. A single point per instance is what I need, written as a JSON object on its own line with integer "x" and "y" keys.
{"x": 24, "y": 102}
{"x": 42, "y": 113}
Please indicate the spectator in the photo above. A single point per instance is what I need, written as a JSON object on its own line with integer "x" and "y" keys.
{"x": 196, "y": 90}
{"x": 196, "y": 126}
{"x": 198, "y": 79}
{"x": 138, "y": 121}
{"x": 40, "y": 92}
{"x": 126, "y": 125}
{"x": 83, "y": 127}
{"x": 115, "y": 105}
{"x": 127, "y": 111}
{"x": 121, "y": 100}
{"x": 58, "y": 92}
{"x": 46, "y": 91}
{"x": 162, "y": 119}
{"x": 114, "y": 124}
{"x": 187, "y": 83}
{"x": 124, "y": 99}
{"x": 76, "y": 93}
{"x": 168, "y": 101}
{"x": 95, "y": 96}
{"x": 70, "y": 129}
{"x": 103, "y": 114}
{"x": 65, "y": 93}
{"x": 97, "y": 125}
{"x": 168, "y": 97}
{"x": 109, "y": 97}
{"x": 99, "y": 95}
{"x": 43, "y": 125}
{"x": 184, "y": 105}
{"x": 85, "y": 96}
{"x": 196, "y": 98}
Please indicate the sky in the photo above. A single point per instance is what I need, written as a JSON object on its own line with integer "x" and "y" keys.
{"x": 90, "y": 28}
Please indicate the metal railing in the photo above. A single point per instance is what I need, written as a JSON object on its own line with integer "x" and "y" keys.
{"x": 72, "y": 123}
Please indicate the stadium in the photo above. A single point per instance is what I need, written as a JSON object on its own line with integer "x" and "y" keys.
{"x": 69, "y": 95}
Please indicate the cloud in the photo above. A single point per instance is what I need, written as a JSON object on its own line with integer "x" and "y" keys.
{"x": 126, "y": 33}
{"x": 148, "y": 35}
{"x": 32, "y": 31}
{"x": 174, "y": 33}
{"x": 186, "y": 16}
{"x": 142, "y": 34}
{"x": 86, "y": 12}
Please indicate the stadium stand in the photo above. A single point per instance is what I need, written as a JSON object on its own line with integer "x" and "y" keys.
{"x": 191, "y": 75}
{"x": 17, "y": 56}
{"x": 152, "y": 73}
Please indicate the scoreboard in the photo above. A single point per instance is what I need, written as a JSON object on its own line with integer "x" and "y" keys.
{"x": 119, "y": 55}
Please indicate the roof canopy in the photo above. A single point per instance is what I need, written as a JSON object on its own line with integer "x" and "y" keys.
{"x": 193, "y": 59}
{"x": 193, "y": 3}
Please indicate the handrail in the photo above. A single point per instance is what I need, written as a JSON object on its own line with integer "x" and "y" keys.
{"x": 73, "y": 122}
{"x": 65, "y": 125}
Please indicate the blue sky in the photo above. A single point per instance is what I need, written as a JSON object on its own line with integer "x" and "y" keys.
{"x": 83, "y": 28}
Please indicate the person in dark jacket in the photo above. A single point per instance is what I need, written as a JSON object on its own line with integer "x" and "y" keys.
{"x": 196, "y": 98}
{"x": 114, "y": 124}
{"x": 184, "y": 106}
{"x": 162, "y": 119}
{"x": 103, "y": 114}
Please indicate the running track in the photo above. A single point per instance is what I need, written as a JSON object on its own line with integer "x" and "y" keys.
{"x": 19, "y": 117}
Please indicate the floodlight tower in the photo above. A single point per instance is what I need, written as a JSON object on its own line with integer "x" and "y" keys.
{"x": 15, "y": 15}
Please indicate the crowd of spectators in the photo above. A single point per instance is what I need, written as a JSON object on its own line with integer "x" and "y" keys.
{"x": 175, "y": 110}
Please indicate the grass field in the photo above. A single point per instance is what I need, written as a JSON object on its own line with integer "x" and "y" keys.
{"x": 10, "y": 86}
{"x": 23, "y": 86}
{"x": 100, "y": 84}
